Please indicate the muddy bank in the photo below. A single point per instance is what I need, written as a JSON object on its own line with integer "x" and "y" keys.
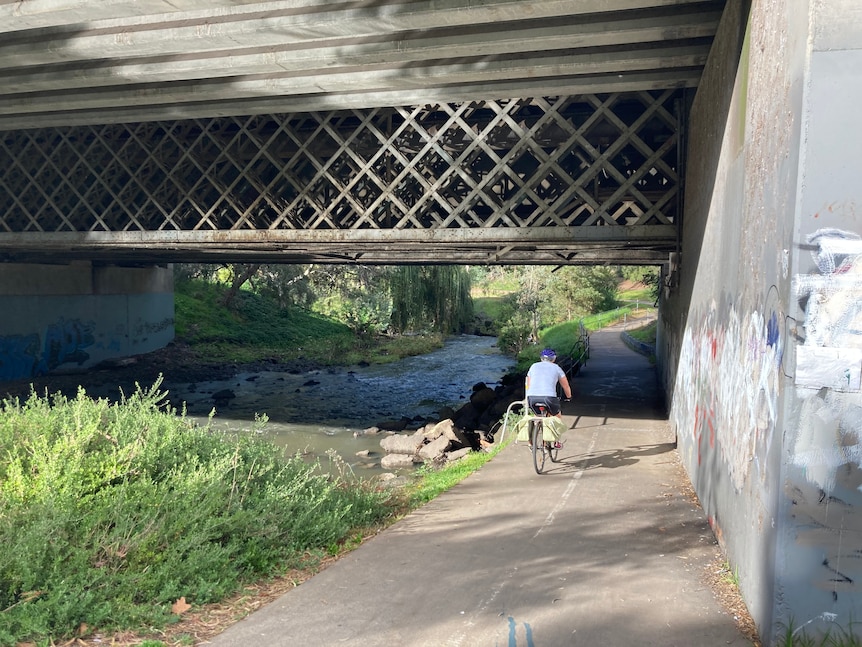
{"x": 176, "y": 363}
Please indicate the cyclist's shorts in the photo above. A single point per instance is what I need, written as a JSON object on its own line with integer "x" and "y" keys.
{"x": 552, "y": 404}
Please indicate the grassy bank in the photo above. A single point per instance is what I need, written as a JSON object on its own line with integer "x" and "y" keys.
{"x": 118, "y": 517}
{"x": 256, "y": 329}
{"x": 112, "y": 513}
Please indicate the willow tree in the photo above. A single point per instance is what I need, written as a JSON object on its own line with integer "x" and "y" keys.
{"x": 430, "y": 297}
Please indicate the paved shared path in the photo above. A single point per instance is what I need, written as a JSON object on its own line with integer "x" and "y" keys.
{"x": 605, "y": 549}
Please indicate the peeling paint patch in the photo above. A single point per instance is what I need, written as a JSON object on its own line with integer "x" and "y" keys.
{"x": 829, "y": 363}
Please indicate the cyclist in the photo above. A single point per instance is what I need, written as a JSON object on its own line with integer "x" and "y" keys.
{"x": 541, "y": 384}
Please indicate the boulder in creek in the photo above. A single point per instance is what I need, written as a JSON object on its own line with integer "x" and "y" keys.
{"x": 483, "y": 398}
{"x": 394, "y": 461}
{"x": 403, "y": 443}
{"x": 435, "y": 449}
{"x": 390, "y": 480}
{"x": 448, "y": 429}
{"x": 456, "y": 455}
{"x": 445, "y": 412}
{"x": 223, "y": 396}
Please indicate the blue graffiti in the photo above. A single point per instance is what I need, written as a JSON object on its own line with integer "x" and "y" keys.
{"x": 19, "y": 355}
{"x": 513, "y": 638}
{"x": 773, "y": 334}
{"x": 65, "y": 341}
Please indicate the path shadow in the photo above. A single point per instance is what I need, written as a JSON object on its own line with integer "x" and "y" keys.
{"x": 608, "y": 459}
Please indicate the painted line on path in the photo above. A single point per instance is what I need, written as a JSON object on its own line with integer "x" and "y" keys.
{"x": 564, "y": 498}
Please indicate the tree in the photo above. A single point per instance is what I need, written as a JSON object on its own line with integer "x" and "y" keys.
{"x": 356, "y": 295}
{"x": 574, "y": 291}
{"x": 286, "y": 284}
{"x": 240, "y": 273}
{"x": 430, "y": 297}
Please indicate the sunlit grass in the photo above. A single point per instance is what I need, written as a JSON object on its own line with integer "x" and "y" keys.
{"x": 837, "y": 636}
{"x": 113, "y": 512}
{"x": 488, "y": 307}
{"x": 431, "y": 482}
{"x": 256, "y": 329}
{"x": 645, "y": 334}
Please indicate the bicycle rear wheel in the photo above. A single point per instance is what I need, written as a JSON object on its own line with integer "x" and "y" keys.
{"x": 538, "y": 442}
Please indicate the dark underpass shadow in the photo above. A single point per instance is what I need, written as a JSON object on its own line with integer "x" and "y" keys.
{"x": 607, "y": 459}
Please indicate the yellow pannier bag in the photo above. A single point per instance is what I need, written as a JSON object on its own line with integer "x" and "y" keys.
{"x": 552, "y": 429}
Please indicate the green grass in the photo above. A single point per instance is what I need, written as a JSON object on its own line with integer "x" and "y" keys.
{"x": 730, "y": 575}
{"x": 639, "y": 294}
{"x": 255, "y": 328}
{"x": 112, "y": 512}
{"x": 488, "y": 307}
{"x": 431, "y": 482}
{"x": 562, "y": 338}
{"x": 253, "y": 320}
{"x": 646, "y": 334}
{"x": 835, "y": 637}
{"x": 602, "y": 319}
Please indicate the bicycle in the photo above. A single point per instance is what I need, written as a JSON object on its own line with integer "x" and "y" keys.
{"x": 535, "y": 429}
{"x": 539, "y": 447}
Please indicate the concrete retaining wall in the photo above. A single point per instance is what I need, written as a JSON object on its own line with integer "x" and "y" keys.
{"x": 759, "y": 346}
{"x": 61, "y": 318}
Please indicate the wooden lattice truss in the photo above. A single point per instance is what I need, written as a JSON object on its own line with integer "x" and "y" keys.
{"x": 579, "y": 179}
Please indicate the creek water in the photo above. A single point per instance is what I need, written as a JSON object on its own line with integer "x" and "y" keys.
{"x": 326, "y": 411}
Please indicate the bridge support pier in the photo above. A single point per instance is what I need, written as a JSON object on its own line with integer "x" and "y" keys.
{"x": 70, "y": 317}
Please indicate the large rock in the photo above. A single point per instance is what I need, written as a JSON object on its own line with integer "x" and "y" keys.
{"x": 483, "y": 397}
{"x": 393, "y": 425}
{"x": 445, "y": 412}
{"x": 403, "y": 443}
{"x": 448, "y": 429}
{"x": 435, "y": 449}
{"x": 458, "y": 454}
{"x": 394, "y": 461}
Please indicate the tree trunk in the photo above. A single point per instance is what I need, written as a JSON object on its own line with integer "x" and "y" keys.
{"x": 239, "y": 279}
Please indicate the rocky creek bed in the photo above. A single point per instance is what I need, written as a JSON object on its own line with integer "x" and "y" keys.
{"x": 377, "y": 418}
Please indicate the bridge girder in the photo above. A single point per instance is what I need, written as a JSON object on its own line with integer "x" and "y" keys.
{"x": 430, "y": 131}
{"x": 553, "y": 180}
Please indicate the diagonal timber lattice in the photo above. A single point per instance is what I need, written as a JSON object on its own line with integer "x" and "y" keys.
{"x": 564, "y": 180}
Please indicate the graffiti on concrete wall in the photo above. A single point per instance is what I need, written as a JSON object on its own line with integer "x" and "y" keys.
{"x": 728, "y": 388}
{"x": 827, "y": 443}
{"x": 23, "y": 356}
{"x": 19, "y": 356}
{"x": 829, "y": 361}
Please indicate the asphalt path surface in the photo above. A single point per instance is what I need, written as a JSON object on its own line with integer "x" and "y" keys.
{"x": 607, "y": 547}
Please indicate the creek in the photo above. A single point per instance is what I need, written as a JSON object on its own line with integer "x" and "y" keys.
{"x": 325, "y": 411}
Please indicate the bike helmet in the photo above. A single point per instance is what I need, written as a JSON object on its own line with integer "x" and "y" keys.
{"x": 548, "y": 353}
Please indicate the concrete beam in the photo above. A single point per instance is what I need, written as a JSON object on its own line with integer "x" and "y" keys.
{"x": 72, "y": 63}
{"x": 75, "y": 14}
{"x": 625, "y": 37}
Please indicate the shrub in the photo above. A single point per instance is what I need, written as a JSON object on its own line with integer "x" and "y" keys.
{"x": 111, "y": 512}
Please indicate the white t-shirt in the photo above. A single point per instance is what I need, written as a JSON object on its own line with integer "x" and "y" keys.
{"x": 544, "y": 377}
